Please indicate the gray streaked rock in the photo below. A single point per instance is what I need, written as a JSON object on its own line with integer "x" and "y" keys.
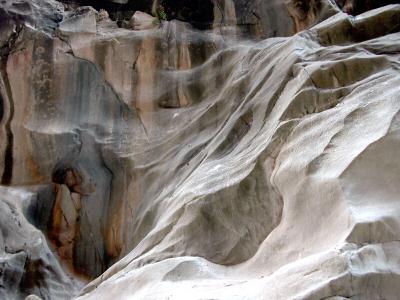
{"x": 82, "y": 20}
{"x": 27, "y": 264}
{"x": 174, "y": 162}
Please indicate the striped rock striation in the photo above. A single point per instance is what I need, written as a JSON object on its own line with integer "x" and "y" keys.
{"x": 231, "y": 150}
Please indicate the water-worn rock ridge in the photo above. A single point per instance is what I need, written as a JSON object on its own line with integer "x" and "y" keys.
{"x": 210, "y": 154}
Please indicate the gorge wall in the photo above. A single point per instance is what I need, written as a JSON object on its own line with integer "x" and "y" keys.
{"x": 227, "y": 149}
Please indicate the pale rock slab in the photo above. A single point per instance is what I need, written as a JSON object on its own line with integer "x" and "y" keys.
{"x": 80, "y": 21}
{"x": 143, "y": 21}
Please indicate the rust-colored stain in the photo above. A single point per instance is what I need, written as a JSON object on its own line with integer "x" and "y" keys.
{"x": 113, "y": 237}
{"x": 63, "y": 231}
{"x": 34, "y": 170}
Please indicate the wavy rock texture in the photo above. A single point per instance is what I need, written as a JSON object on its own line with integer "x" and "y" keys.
{"x": 178, "y": 163}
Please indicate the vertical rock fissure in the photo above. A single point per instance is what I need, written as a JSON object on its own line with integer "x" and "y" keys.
{"x": 108, "y": 259}
{"x": 1, "y": 107}
{"x": 8, "y": 155}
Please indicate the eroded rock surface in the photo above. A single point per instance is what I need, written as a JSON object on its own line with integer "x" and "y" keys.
{"x": 169, "y": 162}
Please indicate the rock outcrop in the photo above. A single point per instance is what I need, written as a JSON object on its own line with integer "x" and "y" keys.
{"x": 142, "y": 21}
{"x": 190, "y": 158}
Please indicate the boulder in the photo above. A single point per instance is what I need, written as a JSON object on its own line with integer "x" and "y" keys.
{"x": 143, "y": 21}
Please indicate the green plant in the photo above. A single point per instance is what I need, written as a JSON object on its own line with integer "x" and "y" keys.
{"x": 161, "y": 14}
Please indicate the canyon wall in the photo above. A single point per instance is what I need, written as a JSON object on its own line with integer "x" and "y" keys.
{"x": 231, "y": 150}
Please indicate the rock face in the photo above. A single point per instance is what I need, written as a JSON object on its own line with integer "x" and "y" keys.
{"x": 191, "y": 159}
{"x": 142, "y": 21}
{"x": 27, "y": 264}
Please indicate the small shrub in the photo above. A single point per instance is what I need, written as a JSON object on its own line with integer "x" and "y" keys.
{"x": 161, "y": 14}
